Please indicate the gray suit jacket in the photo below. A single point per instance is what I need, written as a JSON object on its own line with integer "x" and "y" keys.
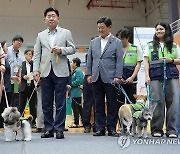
{"x": 42, "y": 49}
{"x": 109, "y": 64}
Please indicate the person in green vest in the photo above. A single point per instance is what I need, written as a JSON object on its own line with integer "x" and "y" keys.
{"x": 158, "y": 75}
{"x": 76, "y": 92}
{"x": 132, "y": 58}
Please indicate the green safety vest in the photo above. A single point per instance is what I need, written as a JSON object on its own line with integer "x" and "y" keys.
{"x": 130, "y": 61}
{"x": 156, "y": 70}
{"x": 130, "y": 58}
{"x": 160, "y": 53}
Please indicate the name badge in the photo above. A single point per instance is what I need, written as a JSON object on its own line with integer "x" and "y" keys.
{"x": 131, "y": 56}
{"x": 16, "y": 68}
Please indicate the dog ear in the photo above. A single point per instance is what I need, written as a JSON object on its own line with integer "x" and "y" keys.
{"x": 14, "y": 109}
{"x": 135, "y": 96}
{"x": 30, "y": 118}
{"x": 144, "y": 97}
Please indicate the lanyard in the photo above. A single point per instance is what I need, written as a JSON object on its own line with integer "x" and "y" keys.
{"x": 162, "y": 51}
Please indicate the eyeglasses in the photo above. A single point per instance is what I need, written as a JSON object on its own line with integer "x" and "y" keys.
{"x": 51, "y": 16}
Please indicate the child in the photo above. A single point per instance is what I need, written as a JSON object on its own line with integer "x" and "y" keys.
{"x": 27, "y": 86}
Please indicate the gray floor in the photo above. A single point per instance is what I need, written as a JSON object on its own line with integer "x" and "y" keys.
{"x": 87, "y": 144}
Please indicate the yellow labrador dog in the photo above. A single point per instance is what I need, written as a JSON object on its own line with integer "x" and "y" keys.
{"x": 126, "y": 112}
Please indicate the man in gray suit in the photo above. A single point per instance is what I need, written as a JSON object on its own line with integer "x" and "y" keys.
{"x": 104, "y": 67}
{"x": 50, "y": 63}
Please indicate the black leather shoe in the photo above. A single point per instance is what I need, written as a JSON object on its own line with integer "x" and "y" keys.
{"x": 47, "y": 134}
{"x": 113, "y": 133}
{"x": 99, "y": 133}
{"x": 59, "y": 135}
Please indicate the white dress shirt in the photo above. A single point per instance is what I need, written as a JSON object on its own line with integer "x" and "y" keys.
{"x": 28, "y": 68}
{"x": 104, "y": 42}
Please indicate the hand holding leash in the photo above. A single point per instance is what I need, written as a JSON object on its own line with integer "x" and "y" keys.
{"x": 2, "y": 68}
{"x": 168, "y": 60}
{"x": 89, "y": 79}
{"x": 36, "y": 76}
{"x": 57, "y": 50}
{"x": 119, "y": 80}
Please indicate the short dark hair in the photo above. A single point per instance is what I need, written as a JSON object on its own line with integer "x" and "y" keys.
{"x": 106, "y": 20}
{"x": 27, "y": 50}
{"x": 18, "y": 38}
{"x": 77, "y": 61}
{"x": 2, "y": 43}
{"x": 123, "y": 33}
{"x": 49, "y": 10}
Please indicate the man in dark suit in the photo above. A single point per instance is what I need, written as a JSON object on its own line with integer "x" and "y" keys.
{"x": 27, "y": 86}
{"x": 104, "y": 66}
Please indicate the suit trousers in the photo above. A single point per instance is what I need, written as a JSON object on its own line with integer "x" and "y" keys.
{"x": 88, "y": 103}
{"x": 15, "y": 98}
{"x": 23, "y": 96}
{"x": 100, "y": 91}
{"x": 170, "y": 101}
{"x": 50, "y": 86}
{"x": 130, "y": 90}
{"x": 40, "y": 116}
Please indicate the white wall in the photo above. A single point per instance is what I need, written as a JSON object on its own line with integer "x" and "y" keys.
{"x": 160, "y": 14}
{"x": 25, "y": 18}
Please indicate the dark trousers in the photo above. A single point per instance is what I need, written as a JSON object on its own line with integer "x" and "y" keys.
{"x": 87, "y": 104}
{"x": 130, "y": 90}
{"x": 15, "y": 98}
{"x": 50, "y": 86}
{"x": 100, "y": 90}
{"x": 23, "y": 96}
{"x": 77, "y": 109}
{"x": 3, "y": 105}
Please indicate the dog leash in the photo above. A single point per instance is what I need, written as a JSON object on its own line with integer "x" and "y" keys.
{"x": 163, "y": 88}
{"x": 119, "y": 87}
{"x": 5, "y": 94}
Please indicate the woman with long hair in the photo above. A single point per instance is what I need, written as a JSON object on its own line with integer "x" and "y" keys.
{"x": 161, "y": 74}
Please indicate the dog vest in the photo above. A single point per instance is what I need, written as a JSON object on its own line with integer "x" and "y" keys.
{"x": 138, "y": 106}
{"x": 136, "y": 114}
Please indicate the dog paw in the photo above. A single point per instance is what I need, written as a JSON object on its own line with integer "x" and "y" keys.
{"x": 27, "y": 139}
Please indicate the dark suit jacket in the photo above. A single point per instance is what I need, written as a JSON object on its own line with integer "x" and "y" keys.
{"x": 23, "y": 84}
{"x": 109, "y": 64}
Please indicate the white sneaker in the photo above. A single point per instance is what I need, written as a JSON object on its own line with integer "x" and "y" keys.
{"x": 172, "y": 136}
{"x": 157, "y": 135}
